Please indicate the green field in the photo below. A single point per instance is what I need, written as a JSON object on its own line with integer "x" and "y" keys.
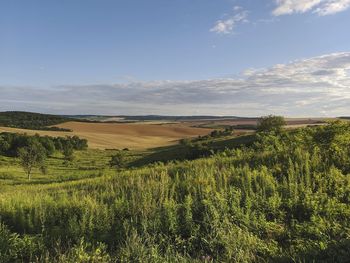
{"x": 87, "y": 164}
{"x": 279, "y": 196}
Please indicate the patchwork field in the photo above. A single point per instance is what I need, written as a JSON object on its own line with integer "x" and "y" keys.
{"x": 117, "y": 135}
{"x": 291, "y": 122}
{"x": 152, "y": 134}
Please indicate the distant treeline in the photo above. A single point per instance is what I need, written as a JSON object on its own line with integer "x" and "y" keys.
{"x": 126, "y": 118}
{"x": 10, "y": 143}
{"x": 34, "y": 121}
{"x": 176, "y": 118}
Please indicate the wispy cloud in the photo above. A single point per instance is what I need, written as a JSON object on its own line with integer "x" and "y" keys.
{"x": 283, "y": 7}
{"x": 309, "y": 87}
{"x": 332, "y": 7}
{"x": 226, "y": 26}
{"x": 320, "y": 7}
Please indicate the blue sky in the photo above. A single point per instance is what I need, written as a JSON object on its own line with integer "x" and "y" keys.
{"x": 161, "y": 50}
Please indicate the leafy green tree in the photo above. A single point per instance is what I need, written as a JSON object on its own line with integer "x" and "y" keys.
{"x": 32, "y": 156}
{"x": 271, "y": 123}
{"x": 48, "y": 144}
{"x": 4, "y": 145}
{"x": 68, "y": 151}
{"x": 77, "y": 143}
{"x": 215, "y": 133}
{"x": 185, "y": 141}
{"x": 118, "y": 160}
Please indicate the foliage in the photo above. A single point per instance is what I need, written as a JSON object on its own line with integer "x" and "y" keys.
{"x": 33, "y": 151}
{"x": 34, "y": 121}
{"x": 32, "y": 156}
{"x": 199, "y": 147}
{"x": 14, "y": 248}
{"x": 67, "y": 150}
{"x": 226, "y": 132}
{"x": 118, "y": 160}
{"x": 10, "y": 143}
{"x": 284, "y": 198}
{"x": 270, "y": 123}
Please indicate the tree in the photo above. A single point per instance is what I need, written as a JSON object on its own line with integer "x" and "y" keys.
{"x": 48, "y": 144}
{"x": 68, "y": 151}
{"x": 77, "y": 143}
{"x": 118, "y": 160}
{"x": 4, "y": 145}
{"x": 229, "y": 130}
{"x": 32, "y": 156}
{"x": 271, "y": 123}
{"x": 185, "y": 141}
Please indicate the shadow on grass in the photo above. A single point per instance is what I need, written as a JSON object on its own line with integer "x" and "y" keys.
{"x": 180, "y": 152}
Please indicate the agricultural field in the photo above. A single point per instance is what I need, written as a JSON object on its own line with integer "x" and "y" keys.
{"x": 151, "y": 134}
{"x": 249, "y": 124}
{"x": 118, "y": 136}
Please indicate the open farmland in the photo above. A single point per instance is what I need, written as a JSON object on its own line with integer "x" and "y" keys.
{"x": 144, "y": 135}
{"x": 290, "y": 122}
{"x": 117, "y": 136}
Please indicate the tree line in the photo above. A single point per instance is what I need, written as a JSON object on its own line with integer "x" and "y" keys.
{"x": 33, "y": 150}
{"x": 34, "y": 121}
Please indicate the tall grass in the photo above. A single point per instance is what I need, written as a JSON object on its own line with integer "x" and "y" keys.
{"x": 284, "y": 199}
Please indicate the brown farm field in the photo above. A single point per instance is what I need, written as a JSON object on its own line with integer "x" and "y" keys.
{"x": 118, "y": 135}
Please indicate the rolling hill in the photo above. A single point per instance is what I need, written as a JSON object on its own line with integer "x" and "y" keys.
{"x": 30, "y": 120}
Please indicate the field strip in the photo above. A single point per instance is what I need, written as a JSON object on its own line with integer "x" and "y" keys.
{"x": 119, "y": 136}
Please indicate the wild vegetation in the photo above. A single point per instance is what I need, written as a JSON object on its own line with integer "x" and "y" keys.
{"x": 277, "y": 196}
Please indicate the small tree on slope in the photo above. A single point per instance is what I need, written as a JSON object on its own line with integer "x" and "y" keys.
{"x": 32, "y": 156}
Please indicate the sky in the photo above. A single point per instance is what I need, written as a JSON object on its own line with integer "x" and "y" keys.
{"x": 182, "y": 57}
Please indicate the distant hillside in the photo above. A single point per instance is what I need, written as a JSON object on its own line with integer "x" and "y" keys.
{"x": 29, "y": 120}
{"x": 177, "y": 118}
{"x": 137, "y": 118}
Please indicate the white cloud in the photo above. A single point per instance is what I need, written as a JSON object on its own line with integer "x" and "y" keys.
{"x": 294, "y": 6}
{"x": 332, "y": 7}
{"x": 227, "y": 25}
{"x": 308, "y": 87}
{"x": 321, "y": 7}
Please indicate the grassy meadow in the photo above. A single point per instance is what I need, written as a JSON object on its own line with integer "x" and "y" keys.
{"x": 277, "y": 196}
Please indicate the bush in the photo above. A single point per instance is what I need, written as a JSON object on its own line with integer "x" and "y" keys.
{"x": 118, "y": 160}
{"x": 271, "y": 123}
